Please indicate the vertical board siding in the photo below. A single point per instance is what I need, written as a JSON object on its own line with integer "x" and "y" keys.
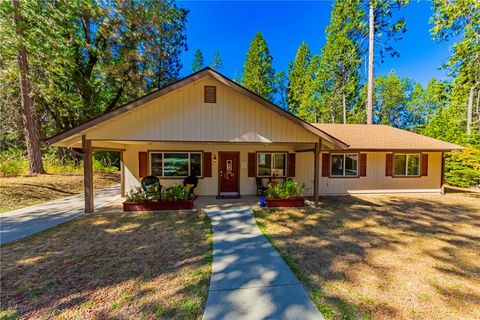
{"x": 182, "y": 115}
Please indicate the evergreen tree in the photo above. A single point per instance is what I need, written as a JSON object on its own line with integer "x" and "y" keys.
{"x": 217, "y": 63}
{"x": 258, "y": 73}
{"x": 297, "y": 77}
{"x": 281, "y": 82}
{"x": 198, "y": 63}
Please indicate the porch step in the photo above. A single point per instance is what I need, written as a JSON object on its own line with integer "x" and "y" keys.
{"x": 228, "y": 195}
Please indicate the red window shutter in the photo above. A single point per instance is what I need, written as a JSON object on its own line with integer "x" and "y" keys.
{"x": 291, "y": 165}
{"x": 142, "y": 164}
{"x": 424, "y": 165}
{"x": 252, "y": 164}
{"x": 325, "y": 164}
{"x": 363, "y": 164}
{"x": 207, "y": 164}
{"x": 389, "y": 165}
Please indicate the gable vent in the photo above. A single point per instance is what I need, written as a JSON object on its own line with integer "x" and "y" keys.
{"x": 210, "y": 94}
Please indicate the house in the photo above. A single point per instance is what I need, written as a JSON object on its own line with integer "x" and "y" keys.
{"x": 210, "y": 126}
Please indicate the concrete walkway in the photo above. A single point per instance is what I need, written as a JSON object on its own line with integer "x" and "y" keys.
{"x": 249, "y": 278}
{"x": 29, "y": 220}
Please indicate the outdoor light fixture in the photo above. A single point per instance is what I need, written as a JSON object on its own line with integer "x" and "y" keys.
{"x": 214, "y": 158}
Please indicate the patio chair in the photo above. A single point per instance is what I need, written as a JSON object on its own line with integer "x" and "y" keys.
{"x": 190, "y": 183}
{"x": 151, "y": 185}
{"x": 262, "y": 186}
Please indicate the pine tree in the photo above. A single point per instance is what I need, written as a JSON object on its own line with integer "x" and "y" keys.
{"x": 217, "y": 63}
{"x": 297, "y": 77}
{"x": 258, "y": 73}
{"x": 198, "y": 63}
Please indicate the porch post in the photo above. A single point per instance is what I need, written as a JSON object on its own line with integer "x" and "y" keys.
{"x": 122, "y": 175}
{"x": 87, "y": 174}
{"x": 316, "y": 172}
{"x": 442, "y": 175}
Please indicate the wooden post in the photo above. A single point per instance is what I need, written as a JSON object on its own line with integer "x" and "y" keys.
{"x": 442, "y": 175}
{"x": 122, "y": 175}
{"x": 88, "y": 174}
{"x": 316, "y": 172}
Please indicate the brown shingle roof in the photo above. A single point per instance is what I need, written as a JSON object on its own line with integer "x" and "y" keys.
{"x": 383, "y": 137}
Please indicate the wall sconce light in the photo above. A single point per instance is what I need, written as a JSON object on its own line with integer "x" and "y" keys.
{"x": 214, "y": 158}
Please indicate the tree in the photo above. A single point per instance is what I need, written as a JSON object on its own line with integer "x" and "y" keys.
{"x": 297, "y": 77}
{"x": 380, "y": 22}
{"x": 30, "y": 124}
{"x": 197, "y": 63}
{"x": 217, "y": 63}
{"x": 258, "y": 73}
{"x": 281, "y": 83}
{"x": 341, "y": 56}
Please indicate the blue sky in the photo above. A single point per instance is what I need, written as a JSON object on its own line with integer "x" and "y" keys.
{"x": 229, "y": 27}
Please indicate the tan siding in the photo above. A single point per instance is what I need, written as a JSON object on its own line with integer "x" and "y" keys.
{"x": 183, "y": 115}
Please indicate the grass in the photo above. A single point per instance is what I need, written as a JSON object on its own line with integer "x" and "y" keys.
{"x": 18, "y": 192}
{"x": 384, "y": 257}
{"x": 110, "y": 265}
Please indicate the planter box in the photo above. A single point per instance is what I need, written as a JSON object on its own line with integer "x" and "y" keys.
{"x": 278, "y": 203}
{"x": 157, "y": 206}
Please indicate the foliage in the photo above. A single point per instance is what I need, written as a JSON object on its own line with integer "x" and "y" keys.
{"x": 462, "y": 168}
{"x": 217, "y": 63}
{"x": 258, "y": 73}
{"x": 297, "y": 77}
{"x": 286, "y": 190}
{"x": 198, "y": 63}
{"x": 12, "y": 163}
{"x": 281, "y": 85}
{"x": 173, "y": 193}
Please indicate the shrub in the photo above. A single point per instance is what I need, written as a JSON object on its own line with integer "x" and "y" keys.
{"x": 462, "y": 168}
{"x": 12, "y": 163}
{"x": 174, "y": 193}
{"x": 287, "y": 190}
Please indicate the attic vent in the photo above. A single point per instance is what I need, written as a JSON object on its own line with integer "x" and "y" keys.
{"x": 210, "y": 94}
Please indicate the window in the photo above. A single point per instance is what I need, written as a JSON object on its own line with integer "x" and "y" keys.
{"x": 406, "y": 165}
{"x": 271, "y": 164}
{"x": 175, "y": 164}
{"x": 344, "y": 165}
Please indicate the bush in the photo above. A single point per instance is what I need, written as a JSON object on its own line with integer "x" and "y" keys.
{"x": 12, "y": 163}
{"x": 462, "y": 168}
{"x": 287, "y": 190}
{"x": 174, "y": 193}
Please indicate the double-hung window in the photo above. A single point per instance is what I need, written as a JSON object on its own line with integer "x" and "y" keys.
{"x": 175, "y": 164}
{"x": 406, "y": 165}
{"x": 344, "y": 165}
{"x": 271, "y": 164}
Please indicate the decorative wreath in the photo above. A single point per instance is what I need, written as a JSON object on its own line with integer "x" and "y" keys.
{"x": 229, "y": 175}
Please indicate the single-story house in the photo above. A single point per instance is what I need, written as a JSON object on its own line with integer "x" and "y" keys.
{"x": 210, "y": 126}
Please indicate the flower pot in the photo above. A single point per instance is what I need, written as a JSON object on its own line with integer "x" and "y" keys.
{"x": 158, "y": 205}
{"x": 280, "y": 203}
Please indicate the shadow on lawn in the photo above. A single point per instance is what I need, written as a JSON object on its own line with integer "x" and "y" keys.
{"x": 110, "y": 264}
{"x": 327, "y": 244}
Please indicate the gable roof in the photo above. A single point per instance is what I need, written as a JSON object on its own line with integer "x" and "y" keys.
{"x": 383, "y": 137}
{"x": 183, "y": 82}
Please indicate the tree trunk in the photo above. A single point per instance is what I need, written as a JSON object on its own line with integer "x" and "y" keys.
{"x": 344, "y": 103}
{"x": 371, "y": 39}
{"x": 470, "y": 109}
{"x": 30, "y": 128}
{"x": 478, "y": 109}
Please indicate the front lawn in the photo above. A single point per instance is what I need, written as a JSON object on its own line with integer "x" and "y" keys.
{"x": 110, "y": 265}
{"x": 384, "y": 257}
{"x": 18, "y": 192}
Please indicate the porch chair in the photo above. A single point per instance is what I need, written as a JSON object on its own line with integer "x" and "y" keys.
{"x": 190, "y": 183}
{"x": 262, "y": 186}
{"x": 151, "y": 184}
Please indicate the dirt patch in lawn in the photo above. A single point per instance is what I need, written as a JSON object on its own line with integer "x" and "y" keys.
{"x": 385, "y": 257}
{"x": 25, "y": 191}
{"x": 111, "y": 265}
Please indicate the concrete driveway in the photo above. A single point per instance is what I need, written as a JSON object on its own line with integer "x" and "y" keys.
{"x": 23, "y": 222}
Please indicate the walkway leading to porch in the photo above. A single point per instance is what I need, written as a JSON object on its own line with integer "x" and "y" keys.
{"x": 249, "y": 278}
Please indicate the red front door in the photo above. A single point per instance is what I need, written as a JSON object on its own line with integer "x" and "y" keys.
{"x": 229, "y": 173}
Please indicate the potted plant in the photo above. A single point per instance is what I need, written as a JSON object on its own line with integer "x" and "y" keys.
{"x": 286, "y": 194}
{"x": 175, "y": 197}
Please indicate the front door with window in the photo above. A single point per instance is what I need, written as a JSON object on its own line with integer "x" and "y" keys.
{"x": 229, "y": 173}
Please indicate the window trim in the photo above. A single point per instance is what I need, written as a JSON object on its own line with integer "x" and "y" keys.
{"x": 407, "y": 154}
{"x": 285, "y": 175}
{"x": 175, "y": 151}
{"x": 344, "y": 154}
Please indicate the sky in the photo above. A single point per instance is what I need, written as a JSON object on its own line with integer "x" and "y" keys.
{"x": 229, "y": 27}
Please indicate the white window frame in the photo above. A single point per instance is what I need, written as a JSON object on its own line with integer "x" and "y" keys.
{"x": 163, "y": 163}
{"x": 344, "y": 161}
{"x": 272, "y": 163}
{"x": 407, "y": 155}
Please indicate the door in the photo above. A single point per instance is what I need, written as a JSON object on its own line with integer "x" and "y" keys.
{"x": 229, "y": 173}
